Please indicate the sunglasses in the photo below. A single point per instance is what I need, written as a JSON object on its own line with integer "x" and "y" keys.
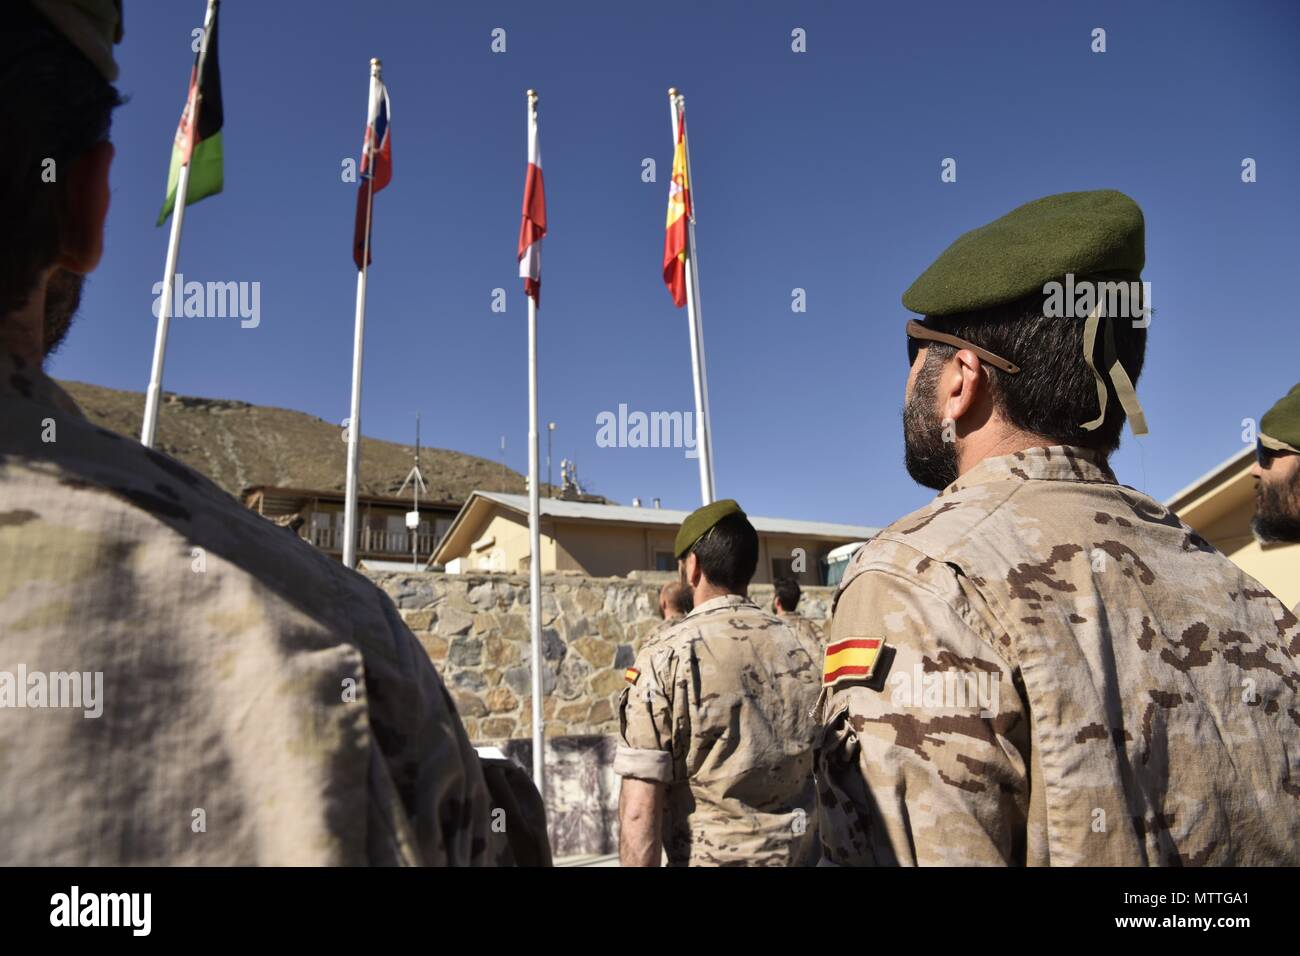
{"x": 1265, "y": 455}
{"x": 918, "y": 333}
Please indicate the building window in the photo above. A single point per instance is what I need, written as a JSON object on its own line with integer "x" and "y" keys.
{"x": 782, "y": 568}
{"x": 664, "y": 561}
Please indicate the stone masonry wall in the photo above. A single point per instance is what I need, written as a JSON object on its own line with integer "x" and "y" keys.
{"x": 475, "y": 628}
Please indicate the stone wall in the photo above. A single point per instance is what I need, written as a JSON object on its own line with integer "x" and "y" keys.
{"x": 475, "y": 628}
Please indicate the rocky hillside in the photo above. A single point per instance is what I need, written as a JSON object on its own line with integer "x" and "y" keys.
{"x": 239, "y": 445}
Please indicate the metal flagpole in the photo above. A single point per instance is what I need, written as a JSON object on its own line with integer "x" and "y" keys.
{"x": 153, "y": 394}
{"x": 703, "y": 431}
{"x": 354, "y": 418}
{"x": 534, "y": 515}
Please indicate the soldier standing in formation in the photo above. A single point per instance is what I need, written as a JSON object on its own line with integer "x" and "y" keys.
{"x": 262, "y": 704}
{"x": 785, "y": 599}
{"x": 716, "y": 749}
{"x": 1044, "y": 666}
{"x": 1277, "y": 473}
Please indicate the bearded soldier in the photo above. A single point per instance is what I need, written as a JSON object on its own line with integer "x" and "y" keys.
{"x": 1277, "y": 473}
{"x": 1043, "y": 666}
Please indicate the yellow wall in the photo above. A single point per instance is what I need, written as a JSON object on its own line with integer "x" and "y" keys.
{"x": 1221, "y": 511}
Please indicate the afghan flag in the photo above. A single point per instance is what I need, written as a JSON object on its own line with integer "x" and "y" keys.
{"x": 376, "y": 169}
{"x": 679, "y": 216}
{"x": 533, "y": 227}
{"x": 198, "y": 137}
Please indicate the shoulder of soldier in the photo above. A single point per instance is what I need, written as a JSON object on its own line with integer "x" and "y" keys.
{"x": 88, "y": 468}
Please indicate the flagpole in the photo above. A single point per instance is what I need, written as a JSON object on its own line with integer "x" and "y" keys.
{"x": 358, "y": 337}
{"x": 703, "y": 431}
{"x": 534, "y": 521}
{"x": 153, "y": 394}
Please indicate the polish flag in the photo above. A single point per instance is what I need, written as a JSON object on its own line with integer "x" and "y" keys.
{"x": 533, "y": 227}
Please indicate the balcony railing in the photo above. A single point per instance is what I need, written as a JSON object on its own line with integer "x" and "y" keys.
{"x": 372, "y": 541}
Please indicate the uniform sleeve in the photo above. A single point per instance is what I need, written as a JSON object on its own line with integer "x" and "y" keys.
{"x": 441, "y": 804}
{"x": 931, "y": 768}
{"x": 645, "y": 748}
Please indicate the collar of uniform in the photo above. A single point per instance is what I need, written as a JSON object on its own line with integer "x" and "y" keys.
{"x": 20, "y": 379}
{"x": 1051, "y": 463}
{"x": 724, "y": 600}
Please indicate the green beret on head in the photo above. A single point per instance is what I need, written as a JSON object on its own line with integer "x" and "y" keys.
{"x": 700, "y": 521}
{"x": 92, "y": 26}
{"x": 1098, "y": 234}
{"x": 1279, "y": 429}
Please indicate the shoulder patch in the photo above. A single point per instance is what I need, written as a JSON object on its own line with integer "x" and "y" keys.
{"x": 631, "y": 675}
{"x": 856, "y": 659}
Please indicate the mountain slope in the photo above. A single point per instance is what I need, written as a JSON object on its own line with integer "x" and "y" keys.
{"x": 239, "y": 445}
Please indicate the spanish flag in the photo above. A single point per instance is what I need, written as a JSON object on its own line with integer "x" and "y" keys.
{"x": 198, "y": 136}
{"x": 854, "y": 659}
{"x": 679, "y": 216}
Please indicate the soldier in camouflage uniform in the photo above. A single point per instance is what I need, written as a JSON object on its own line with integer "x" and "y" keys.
{"x": 261, "y": 704}
{"x": 1277, "y": 473}
{"x": 1044, "y": 666}
{"x": 785, "y": 601}
{"x": 716, "y": 748}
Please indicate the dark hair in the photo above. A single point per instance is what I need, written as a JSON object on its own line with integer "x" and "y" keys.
{"x": 1055, "y": 391}
{"x": 787, "y": 592}
{"x": 728, "y": 553}
{"x": 681, "y": 598}
{"x": 55, "y": 105}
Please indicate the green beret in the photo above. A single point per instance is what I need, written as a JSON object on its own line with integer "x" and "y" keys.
{"x": 700, "y": 521}
{"x": 92, "y": 26}
{"x": 1279, "y": 429}
{"x": 1097, "y": 234}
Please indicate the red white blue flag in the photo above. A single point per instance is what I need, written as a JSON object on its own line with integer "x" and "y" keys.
{"x": 376, "y": 170}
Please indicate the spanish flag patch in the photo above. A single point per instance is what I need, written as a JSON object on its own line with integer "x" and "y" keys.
{"x": 852, "y": 659}
{"x": 631, "y": 675}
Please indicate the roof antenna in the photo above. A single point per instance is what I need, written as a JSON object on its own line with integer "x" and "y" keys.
{"x": 417, "y": 485}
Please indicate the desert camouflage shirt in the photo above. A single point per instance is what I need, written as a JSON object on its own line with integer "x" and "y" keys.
{"x": 1069, "y": 675}
{"x": 810, "y": 636}
{"x": 258, "y": 703}
{"x": 719, "y": 708}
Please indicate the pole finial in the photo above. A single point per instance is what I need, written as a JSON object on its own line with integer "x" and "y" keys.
{"x": 672, "y": 91}
{"x": 531, "y": 94}
{"x": 375, "y": 64}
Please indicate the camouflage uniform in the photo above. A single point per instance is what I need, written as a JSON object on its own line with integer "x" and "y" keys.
{"x": 720, "y": 711}
{"x": 245, "y": 674}
{"x": 808, "y": 633}
{"x": 1140, "y": 700}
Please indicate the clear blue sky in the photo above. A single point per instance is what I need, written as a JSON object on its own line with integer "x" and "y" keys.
{"x": 816, "y": 170}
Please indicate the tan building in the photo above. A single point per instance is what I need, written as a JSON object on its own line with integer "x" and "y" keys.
{"x": 317, "y": 517}
{"x": 603, "y": 540}
{"x": 1219, "y": 506}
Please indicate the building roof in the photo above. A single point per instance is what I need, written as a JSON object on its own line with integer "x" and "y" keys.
{"x": 278, "y": 491}
{"x": 627, "y": 515}
{"x": 1228, "y": 469}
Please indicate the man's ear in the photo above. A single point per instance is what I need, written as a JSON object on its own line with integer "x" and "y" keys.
{"x": 961, "y": 386}
{"x": 85, "y": 208}
{"x": 693, "y": 572}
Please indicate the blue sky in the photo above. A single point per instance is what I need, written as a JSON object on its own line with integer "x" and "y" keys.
{"x": 819, "y": 171}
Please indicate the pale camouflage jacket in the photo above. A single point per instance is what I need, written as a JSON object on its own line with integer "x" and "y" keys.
{"x": 1076, "y": 678}
{"x": 719, "y": 708}
{"x": 261, "y": 704}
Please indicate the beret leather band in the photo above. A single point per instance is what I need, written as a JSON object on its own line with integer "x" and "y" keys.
{"x": 916, "y": 330}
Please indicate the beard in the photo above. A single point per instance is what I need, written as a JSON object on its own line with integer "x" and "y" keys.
{"x": 929, "y": 459}
{"x": 62, "y": 299}
{"x": 1277, "y": 512}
